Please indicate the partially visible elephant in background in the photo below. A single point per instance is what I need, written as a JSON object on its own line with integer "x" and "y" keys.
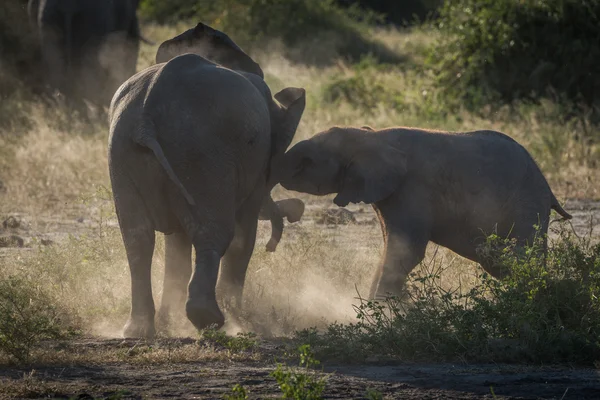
{"x": 274, "y": 211}
{"x": 89, "y": 47}
{"x": 190, "y": 151}
{"x": 453, "y": 189}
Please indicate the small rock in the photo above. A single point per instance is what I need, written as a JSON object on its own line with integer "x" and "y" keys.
{"x": 12, "y": 222}
{"x": 80, "y": 220}
{"x": 11, "y": 241}
{"x": 47, "y": 242}
{"x": 336, "y": 216}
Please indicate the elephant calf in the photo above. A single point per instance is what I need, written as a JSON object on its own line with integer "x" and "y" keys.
{"x": 449, "y": 188}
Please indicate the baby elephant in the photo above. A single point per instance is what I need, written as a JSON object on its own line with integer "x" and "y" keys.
{"x": 453, "y": 189}
{"x": 274, "y": 211}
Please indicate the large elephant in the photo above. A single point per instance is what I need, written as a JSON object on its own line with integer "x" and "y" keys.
{"x": 89, "y": 47}
{"x": 218, "y": 47}
{"x": 190, "y": 149}
{"x": 449, "y": 188}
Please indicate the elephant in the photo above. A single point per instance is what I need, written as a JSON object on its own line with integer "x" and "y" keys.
{"x": 292, "y": 209}
{"x": 452, "y": 189}
{"x": 89, "y": 47}
{"x": 218, "y": 47}
{"x": 191, "y": 147}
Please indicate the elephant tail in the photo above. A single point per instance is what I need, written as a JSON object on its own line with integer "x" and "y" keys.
{"x": 561, "y": 211}
{"x": 148, "y": 139}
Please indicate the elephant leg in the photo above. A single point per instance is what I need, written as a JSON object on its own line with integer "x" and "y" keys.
{"x": 406, "y": 234}
{"x": 201, "y": 306}
{"x": 236, "y": 259}
{"x": 402, "y": 254}
{"x": 210, "y": 224}
{"x": 526, "y": 235}
{"x": 54, "y": 59}
{"x": 138, "y": 237}
{"x": 178, "y": 269}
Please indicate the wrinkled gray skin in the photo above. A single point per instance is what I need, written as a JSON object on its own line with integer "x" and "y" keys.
{"x": 216, "y": 46}
{"x": 274, "y": 211}
{"x": 449, "y": 188}
{"x": 89, "y": 47}
{"x": 190, "y": 148}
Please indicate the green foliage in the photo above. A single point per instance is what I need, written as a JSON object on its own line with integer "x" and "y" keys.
{"x": 504, "y": 50}
{"x": 27, "y": 317}
{"x": 301, "y": 383}
{"x": 235, "y": 344}
{"x": 237, "y": 393}
{"x": 373, "y": 394}
{"x": 543, "y": 312}
{"x": 296, "y": 22}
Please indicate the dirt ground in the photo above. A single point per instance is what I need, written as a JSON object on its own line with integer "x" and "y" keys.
{"x": 212, "y": 379}
{"x": 113, "y": 376}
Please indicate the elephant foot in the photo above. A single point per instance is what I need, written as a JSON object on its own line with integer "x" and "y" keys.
{"x": 204, "y": 314}
{"x": 139, "y": 328}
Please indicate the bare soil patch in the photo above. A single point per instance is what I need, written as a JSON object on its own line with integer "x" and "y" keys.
{"x": 212, "y": 376}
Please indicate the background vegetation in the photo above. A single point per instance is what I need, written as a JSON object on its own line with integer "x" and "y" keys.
{"x": 527, "y": 68}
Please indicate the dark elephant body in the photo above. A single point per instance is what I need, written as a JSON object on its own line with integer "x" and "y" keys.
{"x": 89, "y": 47}
{"x": 453, "y": 189}
{"x": 190, "y": 148}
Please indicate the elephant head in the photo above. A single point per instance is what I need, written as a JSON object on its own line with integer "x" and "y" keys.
{"x": 356, "y": 163}
{"x": 211, "y": 44}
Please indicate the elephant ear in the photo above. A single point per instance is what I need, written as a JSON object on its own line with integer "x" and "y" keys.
{"x": 372, "y": 176}
{"x": 211, "y": 44}
{"x": 292, "y": 101}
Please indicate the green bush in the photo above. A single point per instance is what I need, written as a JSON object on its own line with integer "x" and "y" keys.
{"x": 502, "y": 50}
{"x": 235, "y": 344}
{"x": 238, "y": 392}
{"x": 296, "y": 22}
{"x": 544, "y": 312}
{"x": 27, "y": 317}
{"x": 302, "y": 383}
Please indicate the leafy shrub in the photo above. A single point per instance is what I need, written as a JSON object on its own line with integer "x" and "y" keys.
{"x": 235, "y": 344}
{"x": 27, "y": 317}
{"x": 301, "y": 383}
{"x": 237, "y": 393}
{"x": 504, "y": 50}
{"x": 544, "y": 312}
{"x": 296, "y": 22}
